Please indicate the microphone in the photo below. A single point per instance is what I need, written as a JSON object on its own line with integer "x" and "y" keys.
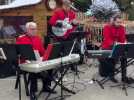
{"x": 73, "y": 8}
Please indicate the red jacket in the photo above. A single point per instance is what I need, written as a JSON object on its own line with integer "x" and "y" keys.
{"x": 36, "y": 44}
{"x": 112, "y": 34}
{"x": 59, "y": 14}
{"x": 35, "y": 41}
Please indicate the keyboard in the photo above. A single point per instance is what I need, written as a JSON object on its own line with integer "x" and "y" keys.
{"x": 39, "y": 66}
{"x": 99, "y": 53}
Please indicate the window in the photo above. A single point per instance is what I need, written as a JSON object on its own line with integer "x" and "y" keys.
{"x": 13, "y": 25}
{"x": 5, "y": 2}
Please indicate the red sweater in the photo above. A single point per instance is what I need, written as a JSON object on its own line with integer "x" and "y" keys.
{"x": 59, "y": 14}
{"x": 112, "y": 34}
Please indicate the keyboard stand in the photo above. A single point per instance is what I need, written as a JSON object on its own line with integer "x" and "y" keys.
{"x": 66, "y": 68}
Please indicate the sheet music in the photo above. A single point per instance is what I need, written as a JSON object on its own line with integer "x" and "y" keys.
{"x": 83, "y": 45}
{"x": 2, "y": 54}
{"x": 37, "y": 55}
{"x": 119, "y": 43}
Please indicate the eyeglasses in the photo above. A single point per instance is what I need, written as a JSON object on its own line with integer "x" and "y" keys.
{"x": 33, "y": 28}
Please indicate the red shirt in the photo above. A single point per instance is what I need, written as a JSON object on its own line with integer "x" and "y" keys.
{"x": 35, "y": 41}
{"x": 112, "y": 34}
{"x": 59, "y": 14}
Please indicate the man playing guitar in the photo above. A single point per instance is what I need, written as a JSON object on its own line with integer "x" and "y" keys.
{"x": 65, "y": 19}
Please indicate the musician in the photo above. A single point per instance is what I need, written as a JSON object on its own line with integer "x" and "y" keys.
{"x": 113, "y": 32}
{"x": 30, "y": 37}
{"x": 64, "y": 13}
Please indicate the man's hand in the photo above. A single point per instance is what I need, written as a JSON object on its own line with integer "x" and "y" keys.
{"x": 59, "y": 24}
{"x": 75, "y": 22}
{"x": 98, "y": 44}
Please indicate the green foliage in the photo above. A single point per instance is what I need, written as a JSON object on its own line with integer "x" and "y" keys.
{"x": 125, "y": 5}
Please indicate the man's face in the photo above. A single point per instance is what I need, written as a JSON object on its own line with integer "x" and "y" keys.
{"x": 118, "y": 22}
{"x": 66, "y": 7}
{"x": 31, "y": 31}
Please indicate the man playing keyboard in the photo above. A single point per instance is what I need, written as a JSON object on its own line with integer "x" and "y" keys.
{"x": 112, "y": 33}
{"x": 30, "y": 37}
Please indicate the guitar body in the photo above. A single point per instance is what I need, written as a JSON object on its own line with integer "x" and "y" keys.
{"x": 63, "y": 30}
{"x": 66, "y": 27}
{"x": 59, "y": 31}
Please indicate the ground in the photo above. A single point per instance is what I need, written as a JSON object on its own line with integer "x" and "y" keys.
{"x": 83, "y": 86}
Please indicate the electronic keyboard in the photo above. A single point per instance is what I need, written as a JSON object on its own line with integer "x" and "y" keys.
{"x": 39, "y": 66}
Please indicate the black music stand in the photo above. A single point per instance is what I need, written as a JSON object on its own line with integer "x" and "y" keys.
{"x": 10, "y": 53}
{"x": 60, "y": 50}
{"x": 55, "y": 51}
{"x": 77, "y": 35}
{"x": 121, "y": 51}
{"x": 26, "y": 52}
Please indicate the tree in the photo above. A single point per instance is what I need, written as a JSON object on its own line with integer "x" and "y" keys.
{"x": 126, "y": 6}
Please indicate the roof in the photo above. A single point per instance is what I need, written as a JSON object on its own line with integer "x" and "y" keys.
{"x": 19, "y": 3}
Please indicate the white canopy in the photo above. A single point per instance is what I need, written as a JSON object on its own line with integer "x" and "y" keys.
{"x": 19, "y": 3}
{"x": 107, "y": 4}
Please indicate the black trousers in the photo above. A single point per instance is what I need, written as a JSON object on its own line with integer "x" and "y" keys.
{"x": 44, "y": 76}
{"x": 107, "y": 67}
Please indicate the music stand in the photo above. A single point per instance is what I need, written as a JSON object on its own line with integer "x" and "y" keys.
{"x": 76, "y": 47}
{"x": 55, "y": 51}
{"x": 8, "y": 52}
{"x": 77, "y": 34}
{"x": 25, "y": 52}
{"x": 66, "y": 47}
{"x": 121, "y": 51}
{"x": 60, "y": 50}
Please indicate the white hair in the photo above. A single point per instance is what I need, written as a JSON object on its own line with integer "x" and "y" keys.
{"x": 29, "y": 24}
